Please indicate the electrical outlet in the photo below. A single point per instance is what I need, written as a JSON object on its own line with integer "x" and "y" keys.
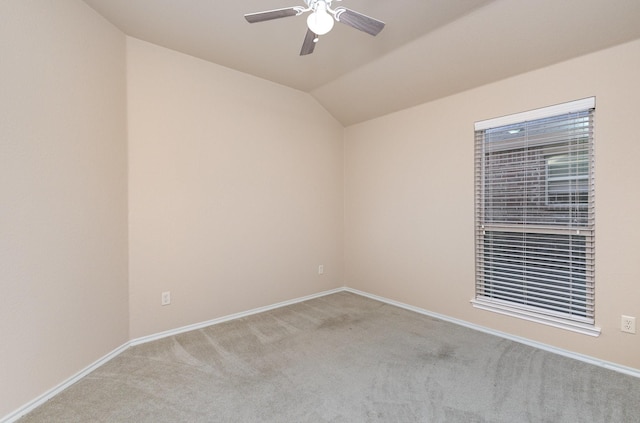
{"x": 628, "y": 324}
{"x": 321, "y": 269}
{"x": 166, "y": 298}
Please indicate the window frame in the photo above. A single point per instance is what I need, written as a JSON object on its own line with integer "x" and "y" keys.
{"x": 512, "y": 308}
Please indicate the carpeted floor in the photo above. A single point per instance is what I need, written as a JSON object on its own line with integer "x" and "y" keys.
{"x": 343, "y": 358}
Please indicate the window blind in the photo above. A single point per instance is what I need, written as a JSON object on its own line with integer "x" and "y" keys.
{"x": 535, "y": 217}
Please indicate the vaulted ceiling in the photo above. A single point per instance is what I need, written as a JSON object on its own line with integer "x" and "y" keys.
{"x": 429, "y": 48}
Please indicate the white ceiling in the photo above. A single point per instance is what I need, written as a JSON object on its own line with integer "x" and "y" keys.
{"x": 428, "y": 49}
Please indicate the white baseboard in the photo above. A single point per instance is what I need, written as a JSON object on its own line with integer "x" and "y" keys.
{"x": 581, "y": 357}
{"x": 219, "y": 320}
{"x": 33, "y": 404}
{"x": 30, "y": 406}
{"x": 14, "y": 416}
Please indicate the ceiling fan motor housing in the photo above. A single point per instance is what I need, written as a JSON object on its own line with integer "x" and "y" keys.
{"x": 313, "y": 4}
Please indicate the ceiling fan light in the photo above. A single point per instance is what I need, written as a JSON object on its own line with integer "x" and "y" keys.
{"x": 320, "y": 22}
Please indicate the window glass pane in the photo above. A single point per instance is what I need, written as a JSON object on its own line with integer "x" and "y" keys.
{"x": 538, "y": 172}
{"x": 541, "y": 270}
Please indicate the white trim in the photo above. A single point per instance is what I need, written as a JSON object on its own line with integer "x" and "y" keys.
{"x": 580, "y": 357}
{"x": 544, "y": 112}
{"x": 531, "y": 316}
{"x": 30, "y": 406}
{"x": 223, "y": 319}
{"x": 33, "y": 404}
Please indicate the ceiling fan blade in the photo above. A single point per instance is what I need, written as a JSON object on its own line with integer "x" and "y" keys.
{"x": 359, "y": 21}
{"x": 309, "y": 43}
{"x": 272, "y": 14}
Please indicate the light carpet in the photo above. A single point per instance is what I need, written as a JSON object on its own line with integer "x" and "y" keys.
{"x": 343, "y": 358}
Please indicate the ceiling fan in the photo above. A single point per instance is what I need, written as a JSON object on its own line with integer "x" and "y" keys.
{"x": 321, "y": 20}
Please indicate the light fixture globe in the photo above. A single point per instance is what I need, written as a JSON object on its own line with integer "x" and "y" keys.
{"x": 320, "y": 22}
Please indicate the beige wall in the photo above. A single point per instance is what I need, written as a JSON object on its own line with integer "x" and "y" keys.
{"x": 409, "y": 222}
{"x": 235, "y": 195}
{"x": 63, "y": 233}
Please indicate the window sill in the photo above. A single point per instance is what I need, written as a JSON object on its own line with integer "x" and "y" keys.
{"x": 583, "y": 328}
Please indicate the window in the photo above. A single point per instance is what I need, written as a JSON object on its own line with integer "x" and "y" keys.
{"x": 535, "y": 216}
